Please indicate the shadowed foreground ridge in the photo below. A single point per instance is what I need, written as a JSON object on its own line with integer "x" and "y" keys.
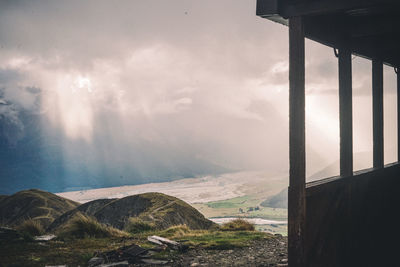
{"x": 55, "y": 213}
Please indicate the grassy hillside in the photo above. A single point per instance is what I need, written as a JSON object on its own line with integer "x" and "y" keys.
{"x": 156, "y": 209}
{"x": 87, "y": 209}
{"x": 33, "y": 204}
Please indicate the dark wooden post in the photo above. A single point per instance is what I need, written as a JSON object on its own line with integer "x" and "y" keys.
{"x": 297, "y": 154}
{"x": 377, "y": 109}
{"x": 398, "y": 113}
{"x": 345, "y": 113}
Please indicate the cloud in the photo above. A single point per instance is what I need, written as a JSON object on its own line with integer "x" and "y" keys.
{"x": 163, "y": 86}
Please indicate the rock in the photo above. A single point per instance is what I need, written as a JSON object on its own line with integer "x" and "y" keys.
{"x": 95, "y": 261}
{"x": 44, "y": 237}
{"x": 115, "y": 264}
{"x": 131, "y": 254}
{"x": 154, "y": 262}
{"x": 164, "y": 241}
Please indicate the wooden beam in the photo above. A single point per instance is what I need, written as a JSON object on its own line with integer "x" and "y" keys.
{"x": 297, "y": 154}
{"x": 288, "y": 9}
{"x": 300, "y": 8}
{"x": 329, "y": 30}
{"x": 379, "y": 25}
{"x": 345, "y": 113}
{"x": 377, "y": 110}
{"x": 266, "y": 8}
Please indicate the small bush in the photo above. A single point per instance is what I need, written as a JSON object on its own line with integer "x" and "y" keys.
{"x": 31, "y": 227}
{"x": 83, "y": 226}
{"x": 136, "y": 225}
{"x": 238, "y": 225}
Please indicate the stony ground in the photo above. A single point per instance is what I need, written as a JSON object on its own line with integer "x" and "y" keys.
{"x": 271, "y": 252}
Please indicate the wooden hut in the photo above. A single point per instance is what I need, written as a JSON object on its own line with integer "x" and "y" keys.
{"x": 338, "y": 221}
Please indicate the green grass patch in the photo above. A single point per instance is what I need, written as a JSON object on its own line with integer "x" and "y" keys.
{"x": 237, "y": 202}
{"x": 238, "y": 225}
{"x": 212, "y": 239}
{"x": 245, "y": 206}
{"x": 223, "y": 239}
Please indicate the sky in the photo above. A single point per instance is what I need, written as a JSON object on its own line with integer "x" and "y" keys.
{"x": 103, "y": 93}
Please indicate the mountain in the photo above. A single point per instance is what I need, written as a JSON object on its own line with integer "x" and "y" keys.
{"x": 162, "y": 210}
{"x": 279, "y": 200}
{"x": 37, "y": 155}
{"x": 33, "y": 204}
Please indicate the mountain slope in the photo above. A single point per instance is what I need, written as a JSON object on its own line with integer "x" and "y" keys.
{"x": 89, "y": 209}
{"x": 33, "y": 204}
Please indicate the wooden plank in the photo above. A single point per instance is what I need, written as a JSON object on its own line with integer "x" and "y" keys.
{"x": 377, "y": 110}
{"x": 336, "y": 237}
{"x": 345, "y": 113}
{"x": 297, "y": 155}
{"x": 315, "y": 187}
{"x": 398, "y": 114}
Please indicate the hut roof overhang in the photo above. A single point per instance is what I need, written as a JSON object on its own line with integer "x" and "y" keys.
{"x": 369, "y": 28}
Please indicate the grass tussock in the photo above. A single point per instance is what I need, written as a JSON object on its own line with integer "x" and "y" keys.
{"x": 238, "y": 225}
{"x": 178, "y": 231}
{"x": 136, "y": 225}
{"x": 31, "y": 228}
{"x": 83, "y": 226}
